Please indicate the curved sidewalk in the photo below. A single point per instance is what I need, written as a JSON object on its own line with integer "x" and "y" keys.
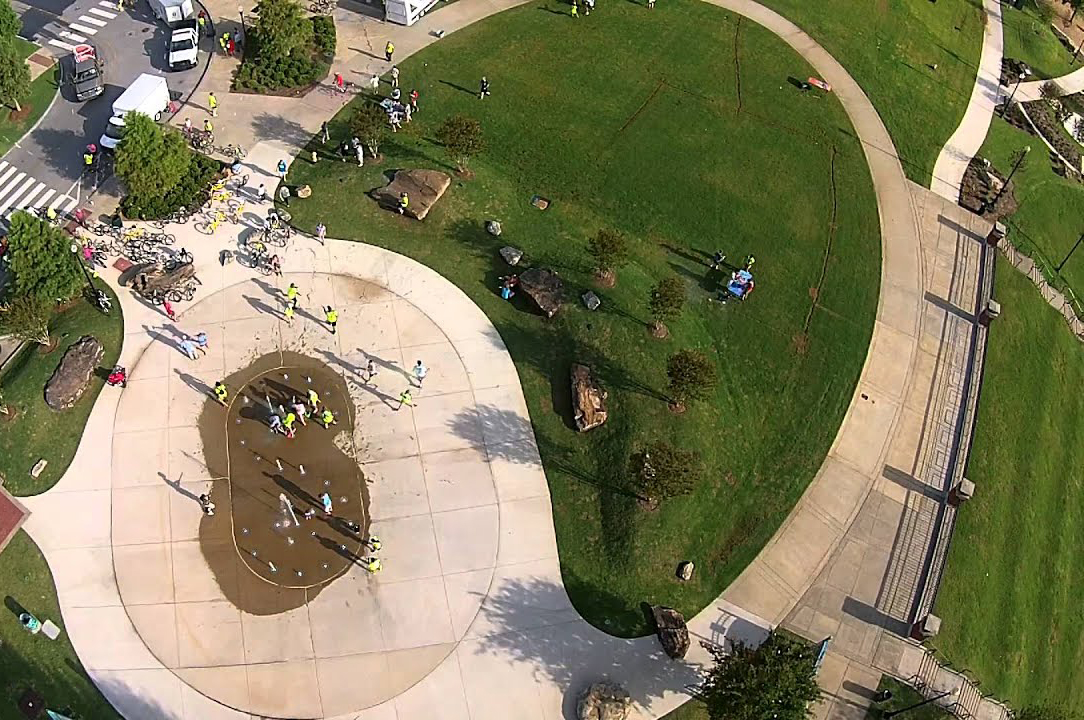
{"x": 948, "y": 171}
{"x": 531, "y": 651}
{"x": 1068, "y": 84}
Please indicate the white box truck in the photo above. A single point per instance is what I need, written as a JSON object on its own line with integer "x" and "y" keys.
{"x": 148, "y": 95}
{"x": 171, "y": 12}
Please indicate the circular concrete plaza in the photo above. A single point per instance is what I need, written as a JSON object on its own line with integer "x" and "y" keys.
{"x": 436, "y": 482}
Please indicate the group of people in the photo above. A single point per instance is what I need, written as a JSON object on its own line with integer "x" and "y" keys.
{"x": 740, "y": 284}
{"x": 299, "y": 410}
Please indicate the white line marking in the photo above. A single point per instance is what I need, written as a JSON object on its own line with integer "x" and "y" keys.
{"x": 55, "y": 205}
{"x": 18, "y": 194}
{"x": 83, "y": 29}
{"x": 102, "y": 13}
{"x": 71, "y": 36}
{"x": 11, "y": 185}
{"x": 62, "y": 45}
{"x": 107, "y": 4}
{"x": 7, "y": 173}
{"x": 93, "y": 21}
{"x": 68, "y": 205}
{"x": 29, "y": 198}
{"x": 44, "y": 198}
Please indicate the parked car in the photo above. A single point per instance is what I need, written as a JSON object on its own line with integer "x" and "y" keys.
{"x": 87, "y": 79}
{"x": 183, "y": 50}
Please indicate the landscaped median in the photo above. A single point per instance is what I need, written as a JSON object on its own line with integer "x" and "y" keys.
{"x": 16, "y": 123}
{"x": 681, "y": 157}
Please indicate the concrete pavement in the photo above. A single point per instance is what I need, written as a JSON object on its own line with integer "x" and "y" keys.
{"x": 524, "y": 649}
{"x": 948, "y": 171}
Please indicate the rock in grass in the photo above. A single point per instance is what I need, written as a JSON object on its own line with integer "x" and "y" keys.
{"x": 72, "y": 375}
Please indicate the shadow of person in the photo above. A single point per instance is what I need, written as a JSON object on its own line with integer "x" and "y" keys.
{"x": 13, "y": 605}
{"x": 194, "y": 382}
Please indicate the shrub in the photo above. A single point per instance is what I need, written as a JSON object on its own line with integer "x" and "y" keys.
{"x": 692, "y": 375}
{"x": 662, "y": 471}
{"x": 667, "y": 300}
{"x": 40, "y": 261}
{"x": 610, "y": 250}
{"x": 323, "y": 35}
{"x": 462, "y": 136}
{"x": 775, "y": 681}
{"x": 191, "y": 192}
{"x": 369, "y": 124}
{"x": 266, "y": 69}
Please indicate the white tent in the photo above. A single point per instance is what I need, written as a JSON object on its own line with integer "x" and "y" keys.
{"x": 406, "y": 12}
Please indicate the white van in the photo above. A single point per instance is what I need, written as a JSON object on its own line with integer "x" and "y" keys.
{"x": 148, "y": 95}
{"x": 171, "y": 12}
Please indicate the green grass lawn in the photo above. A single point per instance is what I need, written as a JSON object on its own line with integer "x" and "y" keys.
{"x": 1030, "y": 38}
{"x": 33, "y": 661}
{"x": 1048, "y": 220}
{"x": 42, "y": 90}
{"x": 904, "y": 696}
{"x": 889, "y": 47}
{"x": 603, "y": 117}
{"x": 1010, "y": 597}
{"x": 37, "y": 431}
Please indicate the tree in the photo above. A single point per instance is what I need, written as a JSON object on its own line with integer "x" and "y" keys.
{"x": 10, "y": 24}
{"x": 281, "y": 28}
{"x": 667, "y": 300}
{"x": 14, "y": 75}
{"x": 369, "y": 124}
{"x": 775, "y": 681}
{"x": 692, "y": 376}
{"x": 27, "y": 318}
{"x": 610, "y": 250}
{"x": 462, "y": 136}
{"x": 41, "y": 261}
{"x": 149, "y": 159}
{"x": 663, "y": 471}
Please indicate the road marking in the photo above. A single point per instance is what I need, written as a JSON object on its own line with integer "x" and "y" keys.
{"x": 7, "y": 173}
{"x": 44, "y": 198}
{"x": 93, "y": 21}
{"x": 61, "y": 45}
{"x": 83, "y": 29}
{"x": 60, "y": 199}
{"x": 107, "y": 4}
{"x": 11, "y": 185}
{"x": 103, "y": 13}
{"x": 18, "y": 194}
{"x": 29, "y": 198}
{"x": 72, "y": 36}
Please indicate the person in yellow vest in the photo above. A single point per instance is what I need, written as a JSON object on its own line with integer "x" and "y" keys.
{"x": 288, "y": 423}
{"x": 220, "y": 392}
{"x": 332, "y": 317}
{"x": 372, "y": 564}
{"x": 208, "y": 126}
{"x": 314, "y": 400}
{"x": 291, "y": 292}
{"x": 374, "y": 543}
{"x": 404, "y": 203}
{"x": 327, "y": 418}
{"x": 212, "y": 104}
{"x": 389, "y": 50}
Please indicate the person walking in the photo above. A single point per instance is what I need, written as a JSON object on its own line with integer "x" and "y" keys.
{"x": 372, "y": 564}
{"x": 212, "y": 104}
{"x": 359, "y": 151}
{"x": 588, "y": 6}
{"x": 483, "y": 89}
{"x": 221, "y": 393}
{"x": 231, "y": 46}
{"x": 419, "y": 372}
{"x": 414, "y": 99}
{"x": 374, "y": 543}
{"x": 407, "y": 111}
{"x": 650, "y": 4}
{"x": 395, "y": 76}
{"x": 206, "y": 505}
{"x": 284, "y": 194}
{"x": 237, "y": 41}
{"x": 291, "y": 293}
{"x": 201, "y": 22}
{"x": 288, "y": 423}
{"x": 374, "y": 82}
{"x": 167, "y": 308}
{"x": 404, "y": 203}
{"x": 325, "y": 134}
{"x": 261, "y": 193}
{"x": 332, "y": 317}
{"x": 321, "y": 232}
{"x": 187, "y": 126}
{"x": 370, "y": 371}
{"x": 314, "y": 400}
{"x": 327, "y": 418}
{"x": 340, "y": 83}
{"x": 188, "y": 347}
{"x": 301, "y": 410}
{"x": 222, "y": 41}
{"x": 288, "y": 313}
{"x": 575, "y": 8}
{"x": 405, "y": 398}
{"x": 325, "y": 500}
{"x": 282, "y": 170}
{"x": 274, "y": 423}
{"x": 389, "y": 50}
{"x": 201, "y": 342}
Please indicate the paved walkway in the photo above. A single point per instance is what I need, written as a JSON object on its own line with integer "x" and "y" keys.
{"x": 948, "y": 171}
{"x": 1067, "y": 85}
{"x": 525, "y": 652}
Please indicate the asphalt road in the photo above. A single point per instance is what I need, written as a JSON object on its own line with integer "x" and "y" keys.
{"x": 130, "y": 42}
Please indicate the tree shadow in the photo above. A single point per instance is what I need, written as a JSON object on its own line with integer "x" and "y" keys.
{"x": 276, "y": 126}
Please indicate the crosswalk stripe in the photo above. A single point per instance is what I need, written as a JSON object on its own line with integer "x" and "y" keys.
{"x": 72, "y": 36}
{"x": 29, "y": 197}
{"x": 83, "y": 28}
{"x": 44, "y": 198}
{"x": 17, "y": 194}
{"x": 55, "y": 205}
{"x": 11, "y": 185}
{"x": 7, "y": 173}
{"x": 60, "y": 44}
{"x": 102, "y": 13}
{"x": 92, "y": 21}
{"x": 106, "y": 3}
{"x": 66, "y": 207}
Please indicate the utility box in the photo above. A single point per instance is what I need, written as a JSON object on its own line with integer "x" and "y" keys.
{"x": 997, "y": 234}
{"x": 926, "y": 628}
{"x": 962, "y": 492}
{"x": 406, "y": 12}
{"x": 991, "y": 311}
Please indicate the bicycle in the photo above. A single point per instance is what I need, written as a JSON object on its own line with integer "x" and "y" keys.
{"x": 322, "y": 7}
{"x": 234, "y": 152}
{"x": 210, "y": 223}
{"x": 201, "y": 140}
{"x": 236, "y": 210}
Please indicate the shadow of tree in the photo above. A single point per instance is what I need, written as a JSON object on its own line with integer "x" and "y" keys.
{"x": 276, "y": 126}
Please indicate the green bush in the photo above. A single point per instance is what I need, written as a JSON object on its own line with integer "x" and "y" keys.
{"x": 191, "y": 192}
{"x": 260, "y": 72}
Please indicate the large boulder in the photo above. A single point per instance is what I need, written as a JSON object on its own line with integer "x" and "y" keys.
{"x": 72, "y": 375}
{"x": 423, "y": 188}
{"x": 603, "y": 701}
{"x": 588, "y": 399}
{"x": 544, "y": 287}
{"x": 672, "y": 631}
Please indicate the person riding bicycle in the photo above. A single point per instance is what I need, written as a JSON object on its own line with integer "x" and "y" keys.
{"x": 257, "y": 248}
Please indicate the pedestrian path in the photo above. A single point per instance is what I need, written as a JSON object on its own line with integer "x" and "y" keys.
{"x": 1067, "y": 85}
{"x": 525, "y": 647}
{"x": 948, "y": 171}
{"x": 63, "y": 34}
{"x": 20, "y": 191}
